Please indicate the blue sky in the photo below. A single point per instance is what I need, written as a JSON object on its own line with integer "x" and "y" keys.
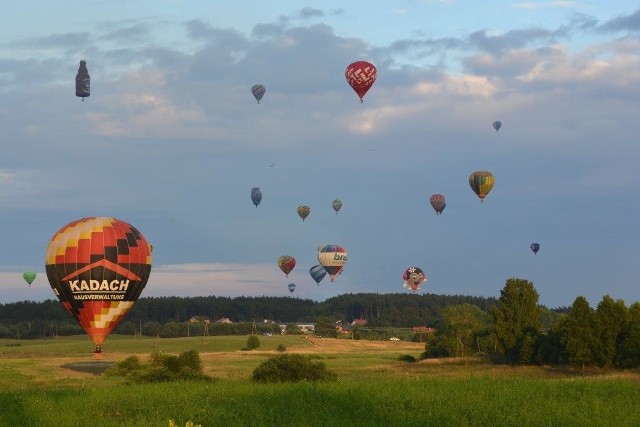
{"x": 172, "y": 141}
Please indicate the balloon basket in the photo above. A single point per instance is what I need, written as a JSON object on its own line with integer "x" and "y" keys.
{"x": 97, "y": 356}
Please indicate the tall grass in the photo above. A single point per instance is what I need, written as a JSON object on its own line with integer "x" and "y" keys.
{"x": 403, "y": 402}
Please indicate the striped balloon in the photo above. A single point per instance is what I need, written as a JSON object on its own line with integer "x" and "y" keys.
{"x": 481, "y": 183}
{"x": 258, "y": 92}
{"x": 332, "y": 258}
{"x": 317, "y": 273}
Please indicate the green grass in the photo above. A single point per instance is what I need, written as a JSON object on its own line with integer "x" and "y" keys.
{"x": 374, "y": 389}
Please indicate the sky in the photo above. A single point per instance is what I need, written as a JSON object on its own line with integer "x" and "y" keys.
{"x": 171, "y": 140}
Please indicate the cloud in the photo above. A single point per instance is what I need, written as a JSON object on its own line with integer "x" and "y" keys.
{"x": 622, "y": 23}
{"x": 530, "y": 5}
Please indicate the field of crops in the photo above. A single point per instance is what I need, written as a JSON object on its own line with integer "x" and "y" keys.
{"x": 45, "y": 383}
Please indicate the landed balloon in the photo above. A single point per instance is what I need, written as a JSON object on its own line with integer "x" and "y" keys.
{"x": 258, "y": 92}
{"x": 497, "y": 125}
{"x": 97, "y": 267}
{"x": 437, "y": 203}
{"x": 286, "y": 264}
{"x": 332, "y": 258}
{"x": 29, "y": 277}
{"x": 535, "y": 247}
{"x": 336, "y": 205}
{"x": 256, "y": 196}
{"x": 361, "y": 75}
{"x": 412, "y": 278}
{"x": 291, "y": 287}
{"x": 481, "y": 183}
{"x": 303, "y": 212}
{"x": 83, "y": 81}
{"x": 317, "y": 273}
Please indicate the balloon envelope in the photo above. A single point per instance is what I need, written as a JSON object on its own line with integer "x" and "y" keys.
{"x": 292, "y": 287}
{"x": 258, "y": 92}
{"x": 332, "y": 258}
{"x": 29, "y": 277}
{"x": 413, "y": 277}
{"x": 286, "y": 264}
{"x": 535, "y": 247}
{"x": 256, "y": 196}
{"x": 83, "y": 81}
{"x": 336, "y": 205}
{"x": 361, "y": 75}
{"x": 497, "y": 125}
{"x": 437, "y": 203}
{"x": 97, "y": 267}
{"x": 303, "y": 211}
{"x": 317, "y": 272}
{"x": 481, "y": 183}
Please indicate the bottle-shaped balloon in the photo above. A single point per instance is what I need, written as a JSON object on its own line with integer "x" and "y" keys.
{"x": 98, "y": 267}
{"x": 83, "y": 81}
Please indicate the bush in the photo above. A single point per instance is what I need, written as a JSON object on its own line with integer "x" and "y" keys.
{"x": 161, "y": 367}
{"x": 253, "y": 342}
{"x": 292, "y": 368}
{"x": 407, "y": 358}
{"x": 281, "y": 347}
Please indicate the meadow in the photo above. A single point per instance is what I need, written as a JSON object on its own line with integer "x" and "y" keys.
{"x": 42, "y": 383}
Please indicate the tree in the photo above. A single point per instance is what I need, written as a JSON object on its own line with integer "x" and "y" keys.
{"x": 253, "y": 342}
{"x": 516, "y": 319}
{"x": 463, "y": 323}
{"x": 581, "y": 340}
{"x": 612, "y": 317}
{"x": 325, "y": 327}
{"x": 628, "y": 352}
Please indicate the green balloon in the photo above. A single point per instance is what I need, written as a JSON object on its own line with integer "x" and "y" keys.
{"x": 29, "y": 276}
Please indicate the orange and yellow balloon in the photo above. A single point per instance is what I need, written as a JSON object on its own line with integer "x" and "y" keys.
{"x": 97, "y": 267}
{"x": 481, "y": 183}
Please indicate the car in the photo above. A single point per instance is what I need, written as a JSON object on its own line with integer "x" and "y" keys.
{"x": 394, "y": 339}
{"x": 267, "y": 334}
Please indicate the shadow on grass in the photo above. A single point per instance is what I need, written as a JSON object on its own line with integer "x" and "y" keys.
{"x": 95, "y": 368}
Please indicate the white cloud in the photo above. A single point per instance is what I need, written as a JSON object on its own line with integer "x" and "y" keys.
{"x": 530, "y": 5}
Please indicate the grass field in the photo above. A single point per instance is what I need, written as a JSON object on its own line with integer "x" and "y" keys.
{"x": 374, "y": 388}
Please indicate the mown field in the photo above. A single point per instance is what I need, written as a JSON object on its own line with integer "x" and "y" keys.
{"x": 38, "y": 388}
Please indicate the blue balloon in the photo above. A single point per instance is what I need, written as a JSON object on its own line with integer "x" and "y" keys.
{"x": 256, "y": 196}
{"x": 258, "y": 92}
{"x": 535, "y": 247}
{"x": 292, "y": 287}
{"x": 317, "y": 273}
{"x": 497, "y": 125}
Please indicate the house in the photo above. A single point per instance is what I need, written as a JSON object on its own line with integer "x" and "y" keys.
{"x": 422, "y": 330}
{"x": 195, "y": 319}
{"x": 223, "y": 320}
{"x": 359, "y": 322}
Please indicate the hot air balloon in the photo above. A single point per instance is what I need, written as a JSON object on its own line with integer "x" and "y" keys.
{"x": 317, "y": 272}
{"x": 97, "y": 267}
{"x": 361, "y": 75}
{"x": 256, "y": 196}
{"x": 336, "y": 205}
{"x": 332, "y": 258}
{"x": 29, "y": 277}
{"x": 412, "y": 278}
{"x": 481, "y": 183}
{"x": 438, "y": 203}
{"x": 83, "y": 81}
{"x": 303, "y": 211}
{"x": 286, "y": 264}
{"x": 497, "y": 125}
{"x": 535, "y": 247}
{"x": 258, "y": 92}
{"x": 292, "y": 287}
